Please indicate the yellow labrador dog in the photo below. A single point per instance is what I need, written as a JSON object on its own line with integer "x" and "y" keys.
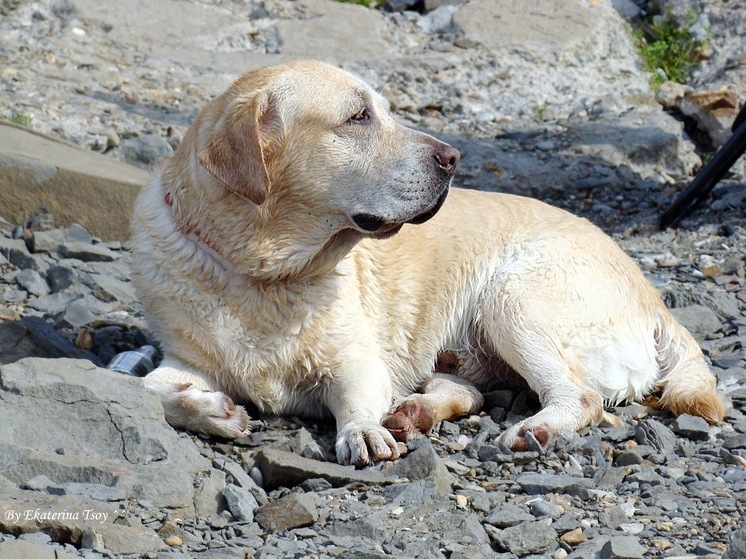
{"x": 298, "y": 252}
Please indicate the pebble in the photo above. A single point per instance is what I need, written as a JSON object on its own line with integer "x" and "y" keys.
{"x": 573, "y": 538}
{"x": 173, "y": 541}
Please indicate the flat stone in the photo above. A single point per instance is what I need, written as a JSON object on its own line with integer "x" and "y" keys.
{"x": 714, "y": 112}
{"x": 110, "y": 289}
{"x": 16, "y": 343}
{"x": 590, "y": 549}
{"x": 8, "y": 246}
{"x": 698, "y": 319}
{"x": 287, "y": 469}
{"x": 54, "y": 303}
{"x": 646, "y": 476}
{"x": 64, "y": 518}
{"x": 25, "y": 550}
{"x": 94, "y": 491}
{"x": 497, "y": 24}
{"x": 304, "y": 444}
{"x": 146, "y": 150}
{"x": 207, "y": 499}
{"x": 413, "y": 494}
{"x": 76, "y": 185}
{"x": 654, "y": 433}
{"x": 527, "y": 538}
{"x": 691, "y": 427}
{"x": 237, "y": 475}
{"x": 241, "y": 502}
{"x": 46, "y": 241}
{"x": 505, "y": 516}
{"x": 362, "y": 36}
{"x": 736, "y": 440}
{"x": 542, "y": 484}
{"x": 737, "y": 547}
{"x": 422, "y": 463}
{"x": 61, "y": 277}
{"x": 76, "y": 315}
{"x": 87, "y": 252}
{"x": 573, "y": 538}
{"x": 33, "y": 337}
{"x": 129, "y": 540}
{"x": 33, "y": 282}
{"x": 292, "y": 511}
{"x": 623, "y": 547}
{"x": 540, "y": 508}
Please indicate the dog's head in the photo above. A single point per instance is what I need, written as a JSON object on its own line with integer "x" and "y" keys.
{"x": 314, "y": 152}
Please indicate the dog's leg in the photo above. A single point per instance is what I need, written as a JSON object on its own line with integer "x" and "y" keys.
{"x": 566, "y": 405}
{"x": 359, "y": 397}
{"x": 525, "y": 336}
{"x": 443, "y": 397}
{"x": 191, "y": 401}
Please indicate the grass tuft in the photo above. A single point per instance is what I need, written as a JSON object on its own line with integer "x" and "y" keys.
{"x": 668, "y": 51}
{"x": 366, "y": 3}
{"x": 21, "y": 119}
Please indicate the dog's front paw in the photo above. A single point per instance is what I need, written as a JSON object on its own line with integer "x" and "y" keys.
{"x": 365, "y": 442}
{"x": 411, "y": 419}
{"x": 204, "y": 411}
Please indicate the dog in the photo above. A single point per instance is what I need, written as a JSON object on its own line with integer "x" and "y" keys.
{"x": 298, "y": 252}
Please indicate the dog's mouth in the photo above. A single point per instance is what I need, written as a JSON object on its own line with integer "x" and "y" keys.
{"x": 381, "y": 227}
{"x": 424, "y": 216}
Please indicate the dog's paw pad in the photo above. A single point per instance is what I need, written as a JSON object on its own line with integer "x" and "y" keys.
{"x": 413, "y": 418}
{"x": 533, "y": 438}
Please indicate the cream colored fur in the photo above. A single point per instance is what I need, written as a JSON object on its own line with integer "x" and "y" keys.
{"x": 277, "y": 264}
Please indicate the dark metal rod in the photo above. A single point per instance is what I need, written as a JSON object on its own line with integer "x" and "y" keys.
{"x": 709, "y": 175}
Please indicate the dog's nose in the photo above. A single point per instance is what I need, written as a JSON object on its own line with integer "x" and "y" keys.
{"x": 447, "y": 157}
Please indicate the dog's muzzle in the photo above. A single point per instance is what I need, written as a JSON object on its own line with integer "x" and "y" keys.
{"x": 424, "y": 216}
{"x": 374, "y": 224}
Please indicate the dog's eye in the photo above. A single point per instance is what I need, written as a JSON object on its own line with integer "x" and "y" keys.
{"x": 359, "y": 118}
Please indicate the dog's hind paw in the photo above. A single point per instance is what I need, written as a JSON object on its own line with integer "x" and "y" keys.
{"x": 411, "y": 419}
{"x": 524, "y": 438}
{"x": 365, "y": 442}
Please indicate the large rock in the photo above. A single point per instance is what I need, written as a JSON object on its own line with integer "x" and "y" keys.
{"x": 737, "y": 546}
{"x": 503, "y": 23}
{"x": 75, "y": 423}
{"x": 77, "y": 186}
{"x": 321, "y": 29}
{"x": 26, "y": 550}
{"x": 321, "y": 36}
{"x": 67, "y": 519}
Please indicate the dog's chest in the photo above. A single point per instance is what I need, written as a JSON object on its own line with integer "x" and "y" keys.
{"x": 282, "y": 343}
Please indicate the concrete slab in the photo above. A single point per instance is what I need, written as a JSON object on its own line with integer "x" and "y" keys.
{"x": 504, "y": 23}
{"x": 76, "y": 185}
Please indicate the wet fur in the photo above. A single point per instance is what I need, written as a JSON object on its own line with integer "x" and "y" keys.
{"x": 262, "y": 285}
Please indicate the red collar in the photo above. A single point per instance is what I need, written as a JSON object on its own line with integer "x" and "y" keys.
{"x": 186, "y": 228}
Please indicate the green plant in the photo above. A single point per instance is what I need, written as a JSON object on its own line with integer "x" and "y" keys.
{"x": 541, "y": 111}
{"x": 366, "y": 3}
{"x": 667, "y": 50}
{"x": 21, "y": 119}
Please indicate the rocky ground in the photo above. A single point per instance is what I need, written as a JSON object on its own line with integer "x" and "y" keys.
{"x": 562, "y": 112}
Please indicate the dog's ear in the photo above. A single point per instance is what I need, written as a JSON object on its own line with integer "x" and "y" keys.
{"x": 236, "y": 153}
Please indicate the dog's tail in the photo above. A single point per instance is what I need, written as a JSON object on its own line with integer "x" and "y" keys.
{"x": 686, "y": 382}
